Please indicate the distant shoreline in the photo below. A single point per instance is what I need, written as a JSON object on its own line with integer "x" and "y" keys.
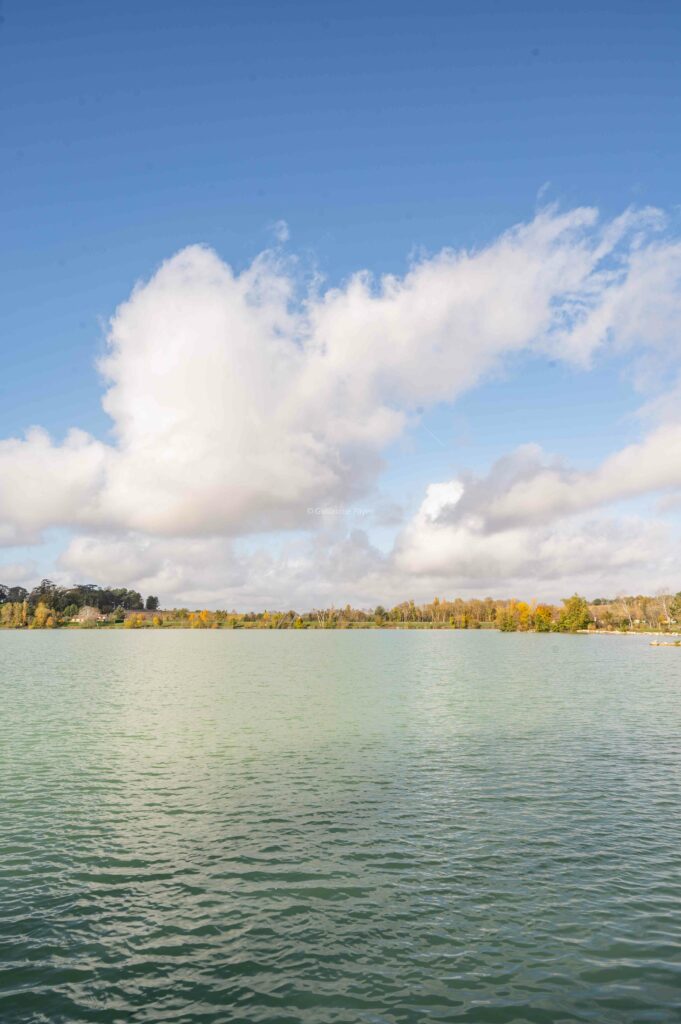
{"x": 364, "y": 627}
{"x": 88, "y": 606}
{"x": 626, "y": 632}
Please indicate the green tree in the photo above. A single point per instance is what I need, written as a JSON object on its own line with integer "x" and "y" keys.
{"x": 575, "y": 614}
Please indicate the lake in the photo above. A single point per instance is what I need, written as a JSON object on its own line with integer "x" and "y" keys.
{"x": 327, "y": 827}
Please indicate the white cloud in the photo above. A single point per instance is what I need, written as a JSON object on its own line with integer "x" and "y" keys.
{"x": 598, "y": 553}
{"x": 43, "y": 484}
{"x": 209, "y": 572}
{"x": 239, "y": 400}
{"x": 526, "y": 487}
{"x": 534, "y": 522}
{"x": 18, "y": 573}
{"x": 195, "y": 569}
{"x": 281, "y": 232}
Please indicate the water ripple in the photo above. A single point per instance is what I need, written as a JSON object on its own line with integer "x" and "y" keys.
{"x": 386, "y": 828}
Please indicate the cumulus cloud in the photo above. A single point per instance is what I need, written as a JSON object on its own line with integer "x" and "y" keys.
{"x": 597, "y": 554}
{"x": 239, "y": 400}
{"x": 298, "y": 573}
{"x": 527, "y": 487}
{"x": 463, "y": 552}
{"x": 533, "y": 517}
{"x": 530, "y": 522}
{"x": 43, "y": 484}
{"x": 194, "y": 569}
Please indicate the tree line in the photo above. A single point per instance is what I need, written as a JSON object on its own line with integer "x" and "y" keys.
{"x": 59, "y": 605}
{"x": 49, "y": 606}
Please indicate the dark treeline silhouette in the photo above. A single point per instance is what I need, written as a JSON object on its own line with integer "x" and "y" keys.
{"x": 80, "y": 595}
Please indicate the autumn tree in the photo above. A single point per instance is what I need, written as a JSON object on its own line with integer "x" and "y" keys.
{"x": 42, "y": 617}
{"x": 675, "y": 607}
{"x": 543, "y": 618}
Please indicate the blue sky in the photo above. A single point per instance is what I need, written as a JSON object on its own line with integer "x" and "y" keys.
{"x": 379, "y": 133}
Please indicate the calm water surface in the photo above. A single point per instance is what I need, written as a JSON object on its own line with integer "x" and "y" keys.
{"x": 339, "y": 827}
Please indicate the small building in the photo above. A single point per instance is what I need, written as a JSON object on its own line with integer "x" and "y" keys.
{"x": 88, "y": 614}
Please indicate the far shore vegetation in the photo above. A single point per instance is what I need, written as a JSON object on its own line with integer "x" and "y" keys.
{"x": 87, "y": 606}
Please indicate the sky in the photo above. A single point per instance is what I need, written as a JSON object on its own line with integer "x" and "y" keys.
{"x": 311, "y": 303}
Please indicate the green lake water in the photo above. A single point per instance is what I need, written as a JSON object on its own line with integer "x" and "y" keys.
{"x": 326, "y": 827}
